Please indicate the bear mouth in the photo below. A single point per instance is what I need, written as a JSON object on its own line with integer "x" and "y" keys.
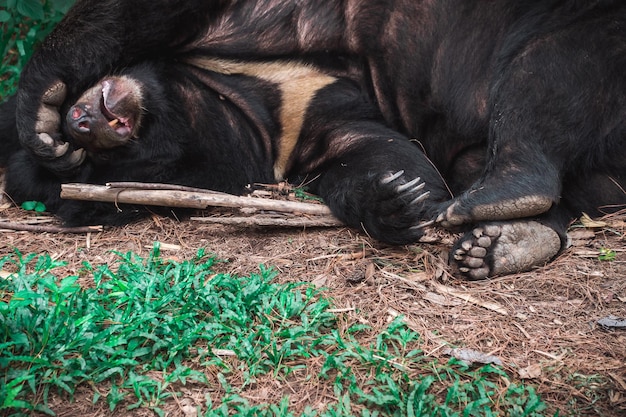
{"x": 109, "y": 105}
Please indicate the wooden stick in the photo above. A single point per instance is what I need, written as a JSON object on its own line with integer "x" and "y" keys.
{"x": 187, "y": 199}
{"x": 318, "y": 221}
{"x": 443, "y": 289}
{"x": 159, "y": 186}
{"x": 49, "y": 229}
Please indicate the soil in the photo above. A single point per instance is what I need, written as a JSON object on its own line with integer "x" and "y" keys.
{"x": 543, "y": 324}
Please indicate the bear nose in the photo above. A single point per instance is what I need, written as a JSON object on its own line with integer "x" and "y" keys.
{"x": 79, "y": 118}
{"x": 77, "y": 112}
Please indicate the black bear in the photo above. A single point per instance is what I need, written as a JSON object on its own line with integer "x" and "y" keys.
{"x": 224, "y": 125}
{"x": 529, "y": 91}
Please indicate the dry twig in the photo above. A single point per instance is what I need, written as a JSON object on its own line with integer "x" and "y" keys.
{"x": 188, "y": 199}
{"x": 48, "y": 229}
{"x": 317, "y": 221}
{"x": 442, "y": 289}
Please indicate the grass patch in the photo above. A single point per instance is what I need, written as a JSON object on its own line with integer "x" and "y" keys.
{"x": 148, "y": 327}
{"x": 25, "y": 23}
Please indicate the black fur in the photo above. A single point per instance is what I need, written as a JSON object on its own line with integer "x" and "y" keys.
{"x": 223, "y": 132}
{"x": 537, "y": 84}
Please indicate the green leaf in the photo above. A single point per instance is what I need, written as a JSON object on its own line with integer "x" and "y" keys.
{"x": 11, "y": 395}
{"x": 36, "y": 206}
{"x": 607, "y": 254}
{"x": 61, "y": 6}
{"x": 32, "y": 9}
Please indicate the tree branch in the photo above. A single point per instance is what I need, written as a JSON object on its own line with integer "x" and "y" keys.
{"x": 22, "y": 227}
{"x": 188, "y": 199}
{"x": 325, "y": 221}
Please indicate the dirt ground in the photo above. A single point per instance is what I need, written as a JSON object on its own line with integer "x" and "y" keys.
{"x": 541, "y": 324}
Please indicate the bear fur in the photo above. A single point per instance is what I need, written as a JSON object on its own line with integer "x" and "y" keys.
{"x": 224, "y": 126}
{"x": 527, "y": 94}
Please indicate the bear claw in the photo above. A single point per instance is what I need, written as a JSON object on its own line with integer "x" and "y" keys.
{"x": 408, "y": 188}
{"x": 392, "y": 177}
{"x": 402, "y": 188}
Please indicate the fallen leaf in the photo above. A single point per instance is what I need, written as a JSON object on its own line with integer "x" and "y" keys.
{"x": 589, "y": 223}
{"x": 530, "y": 372}
{"x": 470, "y": 356}
{"x": 619, "y": 380}
{"x": 320, "y": 281}
{"x": 165, "y": 246}
{"x": 223, "y": 352}
{"x": 613, "y": 322}
{"x": 441, "y": 300}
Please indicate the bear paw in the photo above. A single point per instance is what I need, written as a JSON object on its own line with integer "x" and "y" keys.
{"x": 55, "y": 153}
{"x": 397, "y": 208}
{"x": 500, "y": 248}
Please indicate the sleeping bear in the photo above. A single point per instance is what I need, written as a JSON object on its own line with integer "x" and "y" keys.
{"x": 529, "y": 93}
{"x": 224, "y": 125}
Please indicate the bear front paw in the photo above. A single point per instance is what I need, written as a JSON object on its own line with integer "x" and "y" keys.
{"x": 54, "y": 153}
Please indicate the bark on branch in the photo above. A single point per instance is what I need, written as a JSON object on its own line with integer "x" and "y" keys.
{"x": 22, "y": 227}
{"x": 317, "y": 221}
{"x": 199, "y": 199}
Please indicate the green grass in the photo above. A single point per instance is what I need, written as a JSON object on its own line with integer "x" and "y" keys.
{"x": 152, "y": 317}
{"x": 24, "y": 24}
